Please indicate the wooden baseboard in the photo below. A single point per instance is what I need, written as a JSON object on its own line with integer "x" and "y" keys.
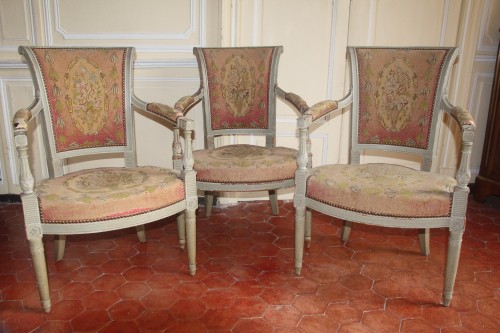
{"x": 10, "y": 198}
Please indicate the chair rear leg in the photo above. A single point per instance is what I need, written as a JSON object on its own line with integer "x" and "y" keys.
{"x": 40, "y": 267}
{"x": 59, "y": 246}
{"x": 454, "y": 246}
{"x": 209, "y": 201}
{"x": 141, "y": 233}
{"x": 308, "y": 228}
{"x": 424, "y": 240}
{"x": 190, "y": 218}
{"x": 299, "y": 238}
{"x": 346, "y": 231}
{"x": 273, "y": 198}
{"x": 181, "y": 229}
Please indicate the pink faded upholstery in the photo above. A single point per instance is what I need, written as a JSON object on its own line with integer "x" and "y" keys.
{"x": 85, "y": 92}
{"x": 239, "y": 87}
{"x": 397, "y": 94}
{"x": 382, "y": 189}
{"x": 107, "y": 193}
{"x": 240, "y": 164}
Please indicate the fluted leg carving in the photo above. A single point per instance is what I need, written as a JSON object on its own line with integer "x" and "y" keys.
{"x": 454, "y": 246}
{"x": 308, "y": 236}
{"x": 299, "y": 237}
{"x": 191, "y": 239}
{"x": 38, "y": 257}
{"x": 181, "y": 229}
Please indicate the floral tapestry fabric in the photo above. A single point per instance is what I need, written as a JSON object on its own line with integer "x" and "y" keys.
{"x": 104, "y": 193}
{"x": 164, "y": 111}
{"x": 240, "y": 164}
{"x": 320, "y": 109}
{"x": 238, "y": 83}
{"x": 86, "y": 96}
{"x": 396, "y": 95}
{"x": 382, "y": 189}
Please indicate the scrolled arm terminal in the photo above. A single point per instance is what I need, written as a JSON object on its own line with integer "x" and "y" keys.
{"x": 20, "y": 120}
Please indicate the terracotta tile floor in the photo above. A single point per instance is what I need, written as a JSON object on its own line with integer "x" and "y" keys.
{"x": 377, "y": 282}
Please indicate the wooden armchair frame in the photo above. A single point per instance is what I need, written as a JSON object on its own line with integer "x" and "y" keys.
{"x": 362, "y": 93}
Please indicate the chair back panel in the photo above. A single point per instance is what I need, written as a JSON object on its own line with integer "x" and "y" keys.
{"x": 86, "y": 98}
{"x": 239, "y": 87}
{"x": 398, "y": 93}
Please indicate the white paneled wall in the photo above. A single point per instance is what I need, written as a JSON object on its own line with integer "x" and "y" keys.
{"x": 163, "y": 33}
{"x": 314, "y": 34}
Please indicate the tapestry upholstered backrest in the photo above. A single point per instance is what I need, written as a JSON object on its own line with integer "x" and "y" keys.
{"x": 85, "y": 98}
{"x": 239, "y": 89}
{"x": 398, "y": 94}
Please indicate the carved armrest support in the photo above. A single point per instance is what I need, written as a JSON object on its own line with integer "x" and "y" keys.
{"x": 20, "y": 124}
{"x": 303, "y": 158}
{"x": 188, "y": 126}
{"x": 468, "y": 127}
{"x": 184, "y": 104}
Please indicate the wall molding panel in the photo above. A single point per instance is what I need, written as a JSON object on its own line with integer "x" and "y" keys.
{"x": 16, "y": 25}
{"x": 120, "y": 35}
{"x": 488, "y": 33}
{"x": 153, "y": 28}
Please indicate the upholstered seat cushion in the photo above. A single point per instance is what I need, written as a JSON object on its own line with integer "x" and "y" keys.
{"x": 106, "y": 193}
{"x": 382, "y": 189}
{"x": 245, "y": 164}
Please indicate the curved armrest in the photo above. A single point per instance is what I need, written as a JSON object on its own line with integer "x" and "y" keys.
{"x": 184, "y": 104}
{"x": 159, "y": 109}
{"x": 318, "y": 110}
{"x": 295, "y": 100}
{"x": 165, "y": 111}
{"x": 463, "y": 118}
{"x": 323, "y": 108}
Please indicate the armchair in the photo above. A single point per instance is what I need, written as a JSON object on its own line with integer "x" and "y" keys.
{"x": 238, "y": 87}
{"x": 396, "y": 98}
{"x": 84, "y": 101}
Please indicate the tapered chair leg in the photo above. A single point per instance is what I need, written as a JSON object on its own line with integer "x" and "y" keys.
{"x": 308, "y": 228}
{"x": 59, "y": 246}
{"x": 40, "y": 267}
{"x": 346, "y": 231}
{"x": 181, "y": 229}
{"x": 424, "y": 240}
{"x": 190, "y": 218}
{"x": 141, "y": 233}
{"x": 209, "y": 201}
{"x": 454, "y": 246}
{"x": 273, "y": 198}
{"x": 299, "y": 238}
